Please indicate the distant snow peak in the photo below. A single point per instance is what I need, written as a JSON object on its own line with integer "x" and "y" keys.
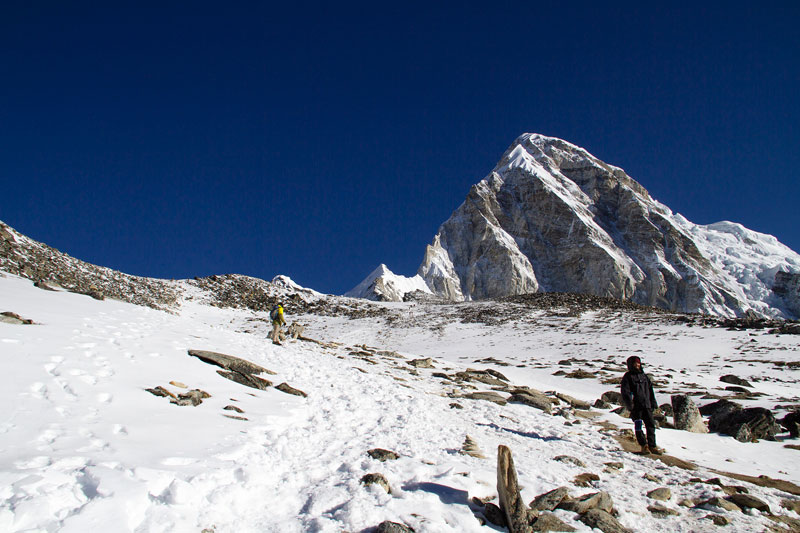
{"x": 552, "y": 217}
{"x": 385, "y": 286}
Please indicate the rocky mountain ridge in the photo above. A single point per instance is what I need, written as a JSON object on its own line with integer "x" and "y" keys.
{"x": 551, "y": 217}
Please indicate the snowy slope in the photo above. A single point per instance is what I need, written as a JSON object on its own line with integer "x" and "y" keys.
{"x": 85, "y": 447}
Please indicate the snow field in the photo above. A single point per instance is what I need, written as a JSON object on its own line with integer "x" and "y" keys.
{"x": 85, "y": 447}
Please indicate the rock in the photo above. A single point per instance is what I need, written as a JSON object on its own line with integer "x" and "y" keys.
{"x": 580, "y": 374}
{"x": 735, "y": 380}
{"x": 718, "y": 519}
{"x": 663, "y": 494}
{"x": 382, "y": 455}
{"x": 295, "y": 330}
{"x": 162, "y": 392}
{"x": 650, "y": 477}
{"x": 47, "y": 286}
{"x": 666, "y": 408}
{"x": 686, "y": 415}
{"x": 746, "y": 501}
{"x": 569, "y": 459}
{"x": 550, "y": 522}
{"x": 178, "y": 384}
{"x": 393, "y": 527}
{"x": 612, "y": 397}
{"x": 494, "y": 515}
{"x": 288, "y": 389}
{"x": 488, "y": 396}
{"x": 787, "y": 286}
{"x": 229, "y": 362}
{"x": 248, "y": 380}
{"x": 661, "y": 511}
{"x": 600, "y": 404}
{"x": 603, "y": 521}
{"x": 8, "y": 317}
{"x": 194, "y": 397}
{"x": 539, "y": 401}
{"x": 612, "y": 466}
{"x": 792, "y": 505}
{"x": 595, "y": 500}
{"x": 792, "y": 423}
{"x": 470, "y": 447}
{"x": 421, "y": 363}
{"x": 721, "y": 503}
{"x": 585, "y": 479}
{"x": 746, "y": 425}
{"x": 233, "y": 408}
{"x": 574, "y": 402}
{"x": 549, "y": 500}
{"x": 489, "y": 377}
{"x": 719, "y": 408}
{"x": 376, "y": 479}
{"x": 516, "y": 512}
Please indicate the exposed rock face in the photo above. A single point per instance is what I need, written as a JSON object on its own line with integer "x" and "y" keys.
{"x": 787, "y": 287}
{"x": 551, "y": 217}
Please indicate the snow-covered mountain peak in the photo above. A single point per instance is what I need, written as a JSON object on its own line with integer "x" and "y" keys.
{"x": 552, "y": 217}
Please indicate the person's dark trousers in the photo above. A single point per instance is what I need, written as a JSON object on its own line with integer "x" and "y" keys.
{"x": 640, "y": 416}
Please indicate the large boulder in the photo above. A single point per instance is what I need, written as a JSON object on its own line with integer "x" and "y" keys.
{"x": 686, "y": 416}
{"x": 792, "y": 423}
{"x": 746, "y": 425}
{"x": 518, "y": 516}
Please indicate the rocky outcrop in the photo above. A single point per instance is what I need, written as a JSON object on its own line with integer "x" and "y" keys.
{"x": 787, "y": 287}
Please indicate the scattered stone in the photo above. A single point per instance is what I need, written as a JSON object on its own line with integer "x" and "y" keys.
{"x": 600, "y": 404}
{"x": 662, "y": 494}
{"x": 456, "y": 406}
{"x": 550, "y": 522}
{"x": 178, "y": 384}
{"x": 47, "y": 286}
{"x": 470, "y": 447}
{"x": 569, "y": 459}
{"x": 8, "y": 317}
{"x": 574, "y": 402}
{"x": 162, "y": 392}
{"x": 718, "y": 519}
{"x": 650, "y": 477}
{"x": 602, "y": 521}
{"x": 746, "y": 501}
{"x": 666, "y": 408}
{"x": 719, "y": 408}
{"x": 487, "y": 396}
{"x": 393, "y": 527}
{"x": 721, "y": 503}
{"x": 735, "y": 380}
{"x": 194, "y": 397}
{"x": 580, "y": 374}
{"x": 235, "y": 417}
{"x": 533, "y": 399}
{"x": 376, "y": 479}
{"x": 596, "y": 500}
{"x": 612, "y": 397}
{"x": 516, "y": 512}
{"x": 421, "y": 363}
{"x": 383, "y": 455}
{"x": 549, "y": 500}
{"x": 686, "y": 415}
{"x": 288, "y": 389}
{"x": 494, "y": 515}
{"x": 233, "y": 408}
{"x": 660, "y": 511}
{"x": 585, "y": 479}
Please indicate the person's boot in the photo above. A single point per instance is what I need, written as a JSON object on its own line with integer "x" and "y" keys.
{"x": 645, "y": 449}
{"x": 656, "y": 450}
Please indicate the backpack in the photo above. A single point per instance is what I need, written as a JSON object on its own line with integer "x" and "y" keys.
{"x": 273, "y": 315}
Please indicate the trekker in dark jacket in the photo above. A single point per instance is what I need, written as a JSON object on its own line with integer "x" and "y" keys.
{"x": 638, "y": 397}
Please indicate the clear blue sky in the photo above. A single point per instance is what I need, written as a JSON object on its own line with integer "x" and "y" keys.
{"x": 181, "y": 139}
